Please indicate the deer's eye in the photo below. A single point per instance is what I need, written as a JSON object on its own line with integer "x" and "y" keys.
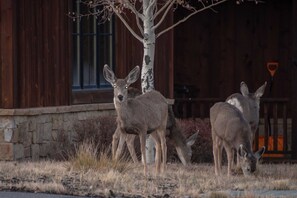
{"x": 126, "y": 87}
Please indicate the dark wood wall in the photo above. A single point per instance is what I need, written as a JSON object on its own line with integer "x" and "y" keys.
{"x": 43, "y": 53}
{"x": 214, "y": 52}
{"x": 35, "y": 55}
{"x": 7, "y": 52}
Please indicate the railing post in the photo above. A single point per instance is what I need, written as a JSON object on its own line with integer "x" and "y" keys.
{"x": 294, "y": 81}
{"x": 275, "y": 128}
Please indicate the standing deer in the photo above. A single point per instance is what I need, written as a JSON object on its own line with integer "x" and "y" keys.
{"x": 142, "y": 115}
{"x": 231, "y": 130}
{"x": 249, "y": 105}
{"x": 119, "y": 137}
{"x": 181, "y": 144}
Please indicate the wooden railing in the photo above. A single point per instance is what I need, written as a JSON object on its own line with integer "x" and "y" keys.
{"x": 273, "y": 126}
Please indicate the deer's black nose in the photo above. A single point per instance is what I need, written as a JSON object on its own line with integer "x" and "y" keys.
{"x": 120, "y": 97}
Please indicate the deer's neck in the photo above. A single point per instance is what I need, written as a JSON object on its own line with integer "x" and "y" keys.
{"x": 123, "y": 109}
{"x": 246, "y": 144}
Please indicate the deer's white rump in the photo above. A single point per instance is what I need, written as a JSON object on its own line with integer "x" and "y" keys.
{"x": 232, "y": 131}
{"x": 142, "y": 115}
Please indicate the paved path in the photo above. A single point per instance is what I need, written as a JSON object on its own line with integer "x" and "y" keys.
{"x": 267, "y": 193}
{"x": 33, "y": 195}
{"x": 259, "y": 193}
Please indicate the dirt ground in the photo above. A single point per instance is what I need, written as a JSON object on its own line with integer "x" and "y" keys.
{"x": 178, "y": 181}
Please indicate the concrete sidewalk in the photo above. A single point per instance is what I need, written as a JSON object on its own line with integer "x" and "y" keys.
{"x": 33, "y": 195}
{"x": 257, "y": 193}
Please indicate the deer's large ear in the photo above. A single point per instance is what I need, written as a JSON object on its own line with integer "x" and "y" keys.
{"x": 259, "y": 153}
{"x": 244, "y": 89}
{"x": 191, "y": 140}
{"x": 242, "y": 152}
{"x": 260, "y": 91}
{"x": 108, "y": 74}
{"x": 133, "y": 75}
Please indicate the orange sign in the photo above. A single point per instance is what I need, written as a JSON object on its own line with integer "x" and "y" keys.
{"x": 272, "y": 67}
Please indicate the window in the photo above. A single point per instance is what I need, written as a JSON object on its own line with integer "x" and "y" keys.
{"x": 93, "y": 46}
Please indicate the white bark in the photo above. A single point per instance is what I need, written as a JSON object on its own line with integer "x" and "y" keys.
{"x": 149, "y": 40}
{"x": 147, "y": 71}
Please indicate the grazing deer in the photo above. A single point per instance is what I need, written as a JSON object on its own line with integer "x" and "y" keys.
{"x": 231, "y": 130}
{"x": 142, "y": 115}
{"x": 181, "y": 144}
{"x": 249, "y": 105}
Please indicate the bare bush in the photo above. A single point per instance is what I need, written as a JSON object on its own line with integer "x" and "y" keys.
{"x": 97, "y": 131}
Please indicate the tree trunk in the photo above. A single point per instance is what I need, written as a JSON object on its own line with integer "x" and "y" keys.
{"x": 147, "y": 71}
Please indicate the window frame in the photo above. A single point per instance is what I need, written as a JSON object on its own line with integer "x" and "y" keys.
{"x": 101, "y": 92}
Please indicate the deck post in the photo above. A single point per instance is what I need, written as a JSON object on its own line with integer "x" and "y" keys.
{"x": 294, "y": 81}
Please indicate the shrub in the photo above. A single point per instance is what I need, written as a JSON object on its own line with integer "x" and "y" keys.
{"x": 99, "y": 131}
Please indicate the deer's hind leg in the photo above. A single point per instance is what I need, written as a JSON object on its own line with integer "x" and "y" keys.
{"x": 142, "y": 137}
{"x": 162, "y": 135}
{"x": 230, "y": 156}
{"x": 217, "y": 153}
{"x": 157, "y": 140}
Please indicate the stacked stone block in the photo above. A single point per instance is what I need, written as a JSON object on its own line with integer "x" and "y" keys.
{"x": 33, "y": 133}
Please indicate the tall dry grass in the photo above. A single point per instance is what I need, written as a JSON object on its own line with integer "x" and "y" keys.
{"x": 89, "y": 170}
{"x": 178, "y": 181}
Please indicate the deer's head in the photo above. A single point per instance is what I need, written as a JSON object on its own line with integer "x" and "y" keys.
{"x": 120, "y": 86}
{"x": 248, "y": 160}
{"x": 185, "y": 152}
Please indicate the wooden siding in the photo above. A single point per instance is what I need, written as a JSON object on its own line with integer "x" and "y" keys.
{"x": 43, "y": 53}
{"x": 214, "y": 52}
{"x": 7, "y": 51}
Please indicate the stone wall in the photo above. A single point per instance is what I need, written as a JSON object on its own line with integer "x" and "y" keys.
{"x": 34, "y": 133}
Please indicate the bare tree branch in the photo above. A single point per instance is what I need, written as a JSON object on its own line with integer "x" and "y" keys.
{"x": 190, "y": 15}
{"x": 138, "y": 15}
{"x": 163, "y": 8}
{"x": 126, "y": 24}
{"x": 164, "y": 15}
{"x": 151, "y": 5}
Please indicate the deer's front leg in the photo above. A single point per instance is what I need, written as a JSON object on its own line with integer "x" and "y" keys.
{"x": 115, "y": 141}
{"x": 121, "y": 144}
{"x": 130, "y": 144}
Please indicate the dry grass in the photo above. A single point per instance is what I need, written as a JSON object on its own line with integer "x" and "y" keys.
{"x": 89, "y": 157}
{"x": 107, "y": 180}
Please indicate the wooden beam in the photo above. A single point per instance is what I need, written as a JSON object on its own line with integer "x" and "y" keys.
{"x": 294, "y": 80}
{"x": 7, "y": 50}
